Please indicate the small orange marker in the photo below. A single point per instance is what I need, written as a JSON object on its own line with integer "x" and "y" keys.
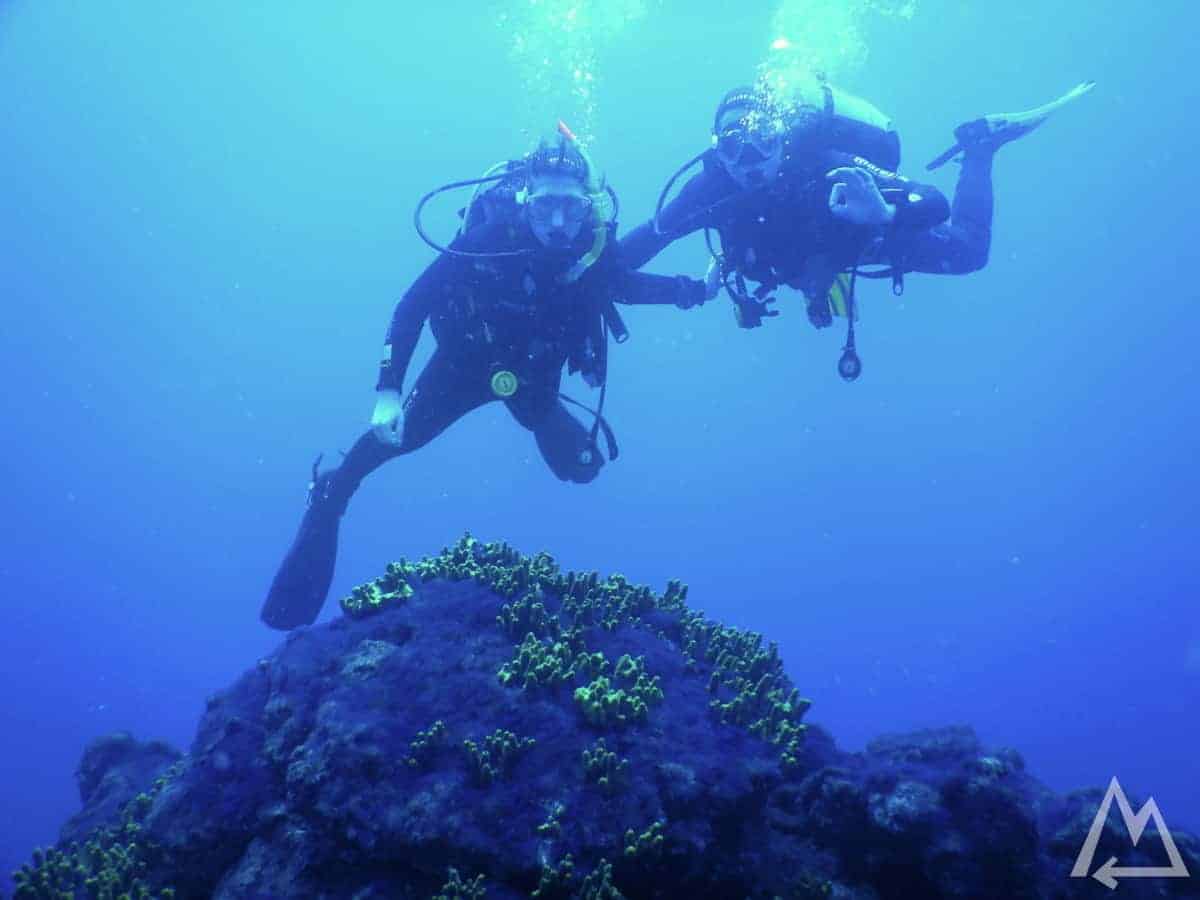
{"x": 566, "y": 132}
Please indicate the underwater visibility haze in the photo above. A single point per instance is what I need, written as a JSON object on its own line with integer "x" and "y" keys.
{"x": 206, "y": 221}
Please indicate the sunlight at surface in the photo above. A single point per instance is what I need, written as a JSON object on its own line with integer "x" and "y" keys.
{"x": 822, "y": 37}
{"x": 556, "y": 46}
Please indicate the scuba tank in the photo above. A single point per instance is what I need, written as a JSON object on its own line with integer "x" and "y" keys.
{"x": 828, "y": 118}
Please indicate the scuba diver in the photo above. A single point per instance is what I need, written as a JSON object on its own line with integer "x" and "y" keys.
{"x": 527, "y": 286}
{"x": 803, "y": 192}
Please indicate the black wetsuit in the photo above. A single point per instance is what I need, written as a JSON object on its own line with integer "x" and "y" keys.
{"x": 516, "y": 314}
{"x": 961, "y": 245}
{"x": 784, "y": 233}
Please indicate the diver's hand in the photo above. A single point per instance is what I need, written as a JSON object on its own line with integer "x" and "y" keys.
{"x": 855, "y": 198}
{"x": 690, "y": 292}
{"x": 387, "y": 420}
{"x": 713, "y": 278}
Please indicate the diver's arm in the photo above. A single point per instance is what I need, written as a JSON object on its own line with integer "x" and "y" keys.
{"x": 643, "y": 244}
{"x": 682, "y": 216}
{"x": 643, "y": 289}
{"x": 407, "y": 321}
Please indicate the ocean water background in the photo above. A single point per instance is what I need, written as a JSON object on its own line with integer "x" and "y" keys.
{"x": 204, "y": 225}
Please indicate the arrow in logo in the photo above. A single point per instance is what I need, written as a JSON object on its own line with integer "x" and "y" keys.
{"x": 1108, "y": 873}
{"x": 1135, "y": 824}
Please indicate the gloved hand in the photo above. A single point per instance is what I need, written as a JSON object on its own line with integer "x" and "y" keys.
{"x": 855, "y": 198}
{"x": 387, "y": 420}
{"x": 713, "y": 278}
{"x": 691, "y": 292}
{"x": 819, "y": 313}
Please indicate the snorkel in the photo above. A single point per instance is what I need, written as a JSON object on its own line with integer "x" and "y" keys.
{"x": 604, "y": 208}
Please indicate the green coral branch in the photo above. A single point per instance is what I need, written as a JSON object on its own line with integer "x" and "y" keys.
{"x": 748, "y": 685}
{"x": 605, "y": 769}
{"x": 606, "y": 707}
{"x": 457, "y": 889}
{"x": 760, "y": 697}
{"x": 588, "y": 599}
{"x": 644, "y": 846}
{"x": 609, "y": 603}
{"x": 528, "y": 615}
{"x": 492, "y": 759}
{"x": 552, "y": 827}
{"x": 392, "y": 588}
{"x": 423, "y": 747}
{"x": 545, "y": 664}
{"x": 523, "y": 580}
{"x": 598, "y": 885}
{"x": 110, "y": 865}
{"x": 642, "y": 685}
{"x": 555, "y": 881}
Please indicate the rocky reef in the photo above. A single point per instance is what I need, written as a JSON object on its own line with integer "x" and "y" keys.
{"x": 482, "y": 725}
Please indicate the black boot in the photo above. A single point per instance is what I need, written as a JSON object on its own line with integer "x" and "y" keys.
{"x": 300, "y": 586}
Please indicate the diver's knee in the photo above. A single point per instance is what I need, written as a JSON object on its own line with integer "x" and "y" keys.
{"x": 586, "y": 466}
{"x": 584, "y": 476}
{"x": 971, "y": 259}
{"x": 978, "y": 260}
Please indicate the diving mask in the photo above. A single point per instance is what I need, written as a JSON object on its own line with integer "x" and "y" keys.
{"x": 744, "y": 144}
{"x": 543, "y": 207}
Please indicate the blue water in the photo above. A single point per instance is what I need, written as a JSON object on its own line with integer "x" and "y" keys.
{"x": 204, "y": 224}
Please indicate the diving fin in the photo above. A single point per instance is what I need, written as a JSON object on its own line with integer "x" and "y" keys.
{"x": 997, "y": 129}
{"x": 300, "y": 586}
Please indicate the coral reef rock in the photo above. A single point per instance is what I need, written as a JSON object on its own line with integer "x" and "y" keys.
{"x": 481, "y": 725}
